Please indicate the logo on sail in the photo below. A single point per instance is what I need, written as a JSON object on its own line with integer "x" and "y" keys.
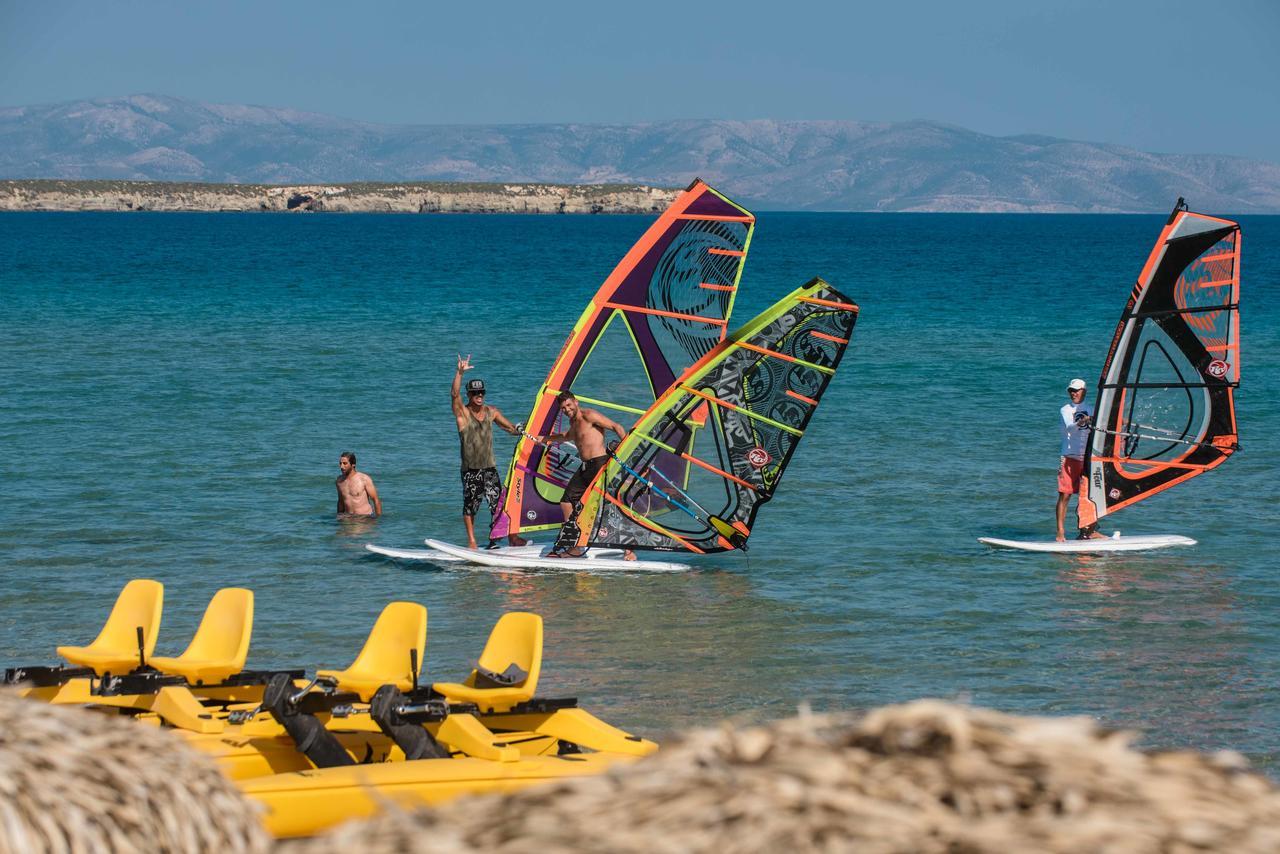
{"x": 1217, "y": 369}
{"x": 758, "y": 457}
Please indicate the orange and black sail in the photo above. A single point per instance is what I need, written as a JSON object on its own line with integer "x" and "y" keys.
{"x": 1166, "y": 407}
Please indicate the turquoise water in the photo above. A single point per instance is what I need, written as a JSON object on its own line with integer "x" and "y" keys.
{"x": 177, "y": 389}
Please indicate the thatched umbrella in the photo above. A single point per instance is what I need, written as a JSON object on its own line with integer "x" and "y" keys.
{"x": 923, "y": 777}
{"x": 73, "y": 780}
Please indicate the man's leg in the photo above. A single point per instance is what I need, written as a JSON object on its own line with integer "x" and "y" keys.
{"x": 492, "y": 492}
{"x": 1062, "y": 516}
{"x": 1066, "y": 486}
{"x": 571, "y": 505}
{"x": 471, "y": 491}
{"x": 566, "y": 544}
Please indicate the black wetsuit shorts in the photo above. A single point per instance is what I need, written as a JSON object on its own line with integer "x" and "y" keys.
{"x": 582, "y": 478}
{"x": 478, "y": 484}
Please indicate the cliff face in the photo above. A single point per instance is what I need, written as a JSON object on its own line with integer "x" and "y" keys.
{"x": 346, "y": 198}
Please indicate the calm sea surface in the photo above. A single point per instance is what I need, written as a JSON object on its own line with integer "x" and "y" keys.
{"x": 176, "y": 389}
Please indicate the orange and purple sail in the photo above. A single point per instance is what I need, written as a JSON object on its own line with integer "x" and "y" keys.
{"x": 665, "y": 306}
{"x": 1165, "y": 411}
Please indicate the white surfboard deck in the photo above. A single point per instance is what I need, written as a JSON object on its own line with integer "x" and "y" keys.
{"x": 596, "y": 560}
{"x": 412, "y": 554}
{"x": 437, "y": 556}
{"x": 1098, "y": 546}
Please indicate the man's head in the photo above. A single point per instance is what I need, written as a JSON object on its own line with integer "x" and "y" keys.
{"x": 346, "y": 461}
{"x": 568, "y": 403}
{"x": 1076, "y": 389}
{"x": 475, "y": 391}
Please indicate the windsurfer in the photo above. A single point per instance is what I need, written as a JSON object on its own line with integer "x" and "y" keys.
{"x": 475, "y": 433}
{"x": 586, "y": 430}
{"x": 357, "y": 495}
{"x": 1075, "y": 424}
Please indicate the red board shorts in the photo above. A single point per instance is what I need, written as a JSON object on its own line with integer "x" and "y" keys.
{"x": 1069, "y": 475}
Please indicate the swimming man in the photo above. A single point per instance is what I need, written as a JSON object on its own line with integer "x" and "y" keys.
{"x": 356, "y": 490}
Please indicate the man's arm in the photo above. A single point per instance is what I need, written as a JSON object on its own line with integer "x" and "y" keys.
{"x": 606, "y": 423}
{"x": 337, "y": 484}
{"x": 373, "y": 495}
{"x": 504, "y": 423}
{"x": 455, "y": 392}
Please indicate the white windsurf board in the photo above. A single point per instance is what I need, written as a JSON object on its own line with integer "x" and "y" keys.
{"x": 596, "y": 560}
{"x": 431, "y": 555}
{"x": 437, "y": 556}
{"x": 1096, "y": 546}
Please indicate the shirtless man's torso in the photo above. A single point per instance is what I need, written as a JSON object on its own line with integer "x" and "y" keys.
{"x": 357, "y": 495}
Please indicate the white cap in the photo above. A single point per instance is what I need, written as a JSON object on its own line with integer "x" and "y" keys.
{"x": 1076, "y": 384}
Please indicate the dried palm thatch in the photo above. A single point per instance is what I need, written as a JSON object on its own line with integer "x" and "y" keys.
{"x": 923, "y": 777}
{"x": 76, "y": 781}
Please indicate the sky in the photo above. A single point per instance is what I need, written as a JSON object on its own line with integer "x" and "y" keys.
{"x": 1172, "y": 76}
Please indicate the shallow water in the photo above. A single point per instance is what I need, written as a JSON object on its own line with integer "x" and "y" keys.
{"x": 177, "y": 388}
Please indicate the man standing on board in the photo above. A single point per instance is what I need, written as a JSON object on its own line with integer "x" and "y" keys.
{"x": 1075, "y": 423}
{"x": 356, "y": 490}
{"x": 475, "y": 433}
{"x": 586, "y": 430}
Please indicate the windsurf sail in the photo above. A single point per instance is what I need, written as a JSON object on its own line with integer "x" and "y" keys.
{"x": 696, "y": 468}
{"x": 1165, "y": 410}
{"x": 665, "y": 306}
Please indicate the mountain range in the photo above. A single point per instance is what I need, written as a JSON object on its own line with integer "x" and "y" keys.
{"x": 767, "y": 164}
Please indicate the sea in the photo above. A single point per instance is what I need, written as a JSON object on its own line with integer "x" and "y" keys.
{"x": 177, "y": 388}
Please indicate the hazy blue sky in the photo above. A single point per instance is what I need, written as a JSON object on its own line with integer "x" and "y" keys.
{"x": 1164, "y": 76}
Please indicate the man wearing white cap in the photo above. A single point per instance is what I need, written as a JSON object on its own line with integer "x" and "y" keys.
{"x": 1075, "y": 419}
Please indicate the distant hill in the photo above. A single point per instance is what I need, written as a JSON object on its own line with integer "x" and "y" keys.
{"x": 771, "y": 165}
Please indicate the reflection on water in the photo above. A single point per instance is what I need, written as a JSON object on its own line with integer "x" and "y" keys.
{"x": 1158, "y": 645}
{"x": 361, "y": 527}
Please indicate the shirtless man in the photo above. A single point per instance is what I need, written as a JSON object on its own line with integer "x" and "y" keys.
{"x": 475, "y": 433}
{"x": 586, "y": 430}
{"x": 356, "y": 490}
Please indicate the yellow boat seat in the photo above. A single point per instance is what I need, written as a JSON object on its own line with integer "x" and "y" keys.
{"x": 514, "y": 648}
{"x": 221, "y": 643}
{"x": 385, "y": 658}
{"x": 115, "y": 650}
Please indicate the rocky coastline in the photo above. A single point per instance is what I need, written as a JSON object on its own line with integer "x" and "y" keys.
{"x": 426, "y": 197}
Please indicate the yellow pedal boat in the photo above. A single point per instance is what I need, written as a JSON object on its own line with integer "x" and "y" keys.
{"x": 346, "y": 742}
